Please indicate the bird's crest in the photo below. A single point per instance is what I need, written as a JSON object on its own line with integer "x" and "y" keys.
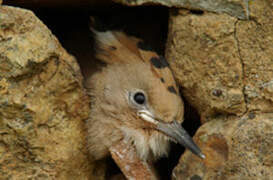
{"x": 115, "y": 47}
{"x": 137, "y": 92}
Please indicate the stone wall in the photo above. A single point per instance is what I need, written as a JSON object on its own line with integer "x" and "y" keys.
{"x": 225, "y": 68}
{"x": 221, "y": 55}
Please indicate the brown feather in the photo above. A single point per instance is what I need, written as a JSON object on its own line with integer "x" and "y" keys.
{"x": 112, "y": 118}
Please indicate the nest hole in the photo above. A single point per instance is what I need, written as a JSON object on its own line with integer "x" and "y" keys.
{"x": 150, "y": 23}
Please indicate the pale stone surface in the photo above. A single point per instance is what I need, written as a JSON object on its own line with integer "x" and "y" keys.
{"x": 224, "y": 64}
{"x": 57, "y": 3}
{"x": 204, "y": 57}
{"x": 255, "y": 45}
{"x": 235, "y": 148}
{"x": 236, "y": 8}
{"x": 42, "y": 103}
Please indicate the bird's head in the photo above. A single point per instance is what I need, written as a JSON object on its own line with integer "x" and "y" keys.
{"x": 138, "y": 90}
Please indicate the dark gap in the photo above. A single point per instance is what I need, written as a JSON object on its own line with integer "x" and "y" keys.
{"x": 191, "y": 123}
{"x": 71, "y": 26}
{"x": 112, "y": 169}
{"x": 192, "y": 118}
{"x": 197, "y": 12}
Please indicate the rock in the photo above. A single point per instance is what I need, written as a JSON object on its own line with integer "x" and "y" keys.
{"x": 223, "y": 64}
{"x": 42, "y": 103}
{"x": 254, "y": 41}
{"x": 58, "y": 3}
{"x": 237, "y": 8}
{"x": 235, "y": 148}
{"x": 204, "y": 57}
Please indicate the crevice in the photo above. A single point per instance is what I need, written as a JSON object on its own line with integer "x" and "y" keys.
{"x": 243, "y": 66}
{"x": 147, "y": 23}
{"x": 197, "y": 12}
{"x": 147, "y": 26}
{"x": 191, "y": 124}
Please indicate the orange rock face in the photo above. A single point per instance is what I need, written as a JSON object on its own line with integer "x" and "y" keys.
{"x": 42, "y": 103}
{"x": 204, "y": 57}
{"x": 224, "y": 66}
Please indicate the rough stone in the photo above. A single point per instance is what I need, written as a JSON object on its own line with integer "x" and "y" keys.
{"x": 254, "y": 41}
{"x": 58, "y": 3}
{"x": 223, "y": 64}
{"x": 42, "y": 103}
{"x": 236, "y": 8}
{"x": 235, "y": 148}
{"x": 203, "y": 55}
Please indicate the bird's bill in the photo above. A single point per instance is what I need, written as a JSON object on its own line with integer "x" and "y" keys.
{"x": 177, "y": 133}
{"x": 173, "y": 130}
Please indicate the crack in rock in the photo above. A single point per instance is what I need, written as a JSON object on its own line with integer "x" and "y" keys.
{"x": 243, "y": 65}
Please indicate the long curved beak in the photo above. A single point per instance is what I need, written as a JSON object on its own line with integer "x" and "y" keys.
{"x": 173, "y": 130}
{"x": 179, "y": 134}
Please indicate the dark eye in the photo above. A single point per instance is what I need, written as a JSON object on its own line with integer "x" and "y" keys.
{"x": 139, "y": 98}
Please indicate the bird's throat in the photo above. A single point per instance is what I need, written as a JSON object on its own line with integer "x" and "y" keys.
{"x": 149, "y": 144}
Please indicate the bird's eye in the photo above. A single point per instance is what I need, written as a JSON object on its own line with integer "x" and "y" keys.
{"x": 139, "y": 98}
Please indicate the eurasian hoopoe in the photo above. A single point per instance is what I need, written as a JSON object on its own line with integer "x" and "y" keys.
{"x": 133, "y": 98}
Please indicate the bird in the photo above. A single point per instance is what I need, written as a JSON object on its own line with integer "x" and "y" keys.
{"x": 134, "y": 98}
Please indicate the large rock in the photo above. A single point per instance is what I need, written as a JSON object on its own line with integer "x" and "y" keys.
{"x": 203, "y": 54}
{"x": 42, "y": 103}
{"x": 58, "y": 3}
{"x": 235, "y": 148}
{"x": 237, "y": 8}
{"x": 224, "y": 64}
